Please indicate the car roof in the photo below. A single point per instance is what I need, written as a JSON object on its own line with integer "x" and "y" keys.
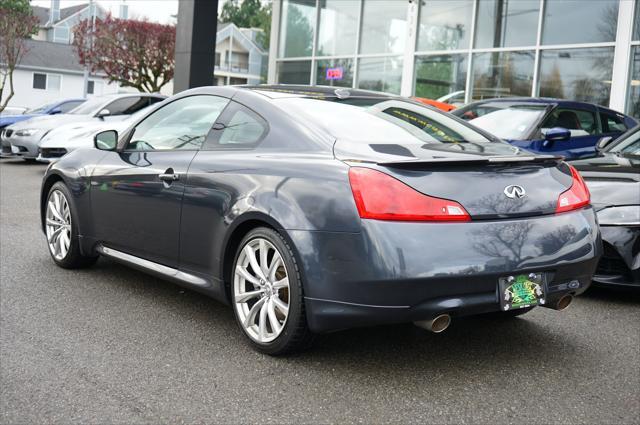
{"x": 276, "y": 91}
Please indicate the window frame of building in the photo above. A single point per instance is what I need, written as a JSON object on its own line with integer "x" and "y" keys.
{"x": 623, "y": 45}
{"x": 47, "y": 77}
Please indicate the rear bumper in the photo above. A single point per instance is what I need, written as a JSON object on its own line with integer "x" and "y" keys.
{"x": 403, "y": 272}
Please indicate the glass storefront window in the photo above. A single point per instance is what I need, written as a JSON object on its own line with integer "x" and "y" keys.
{"x": 440, "y": 75}
{"x": 444, "y": 25}
{"x": 577, "y": 74}
{"x": 297, "y": 27}
{"x": 294, "y": 72}
{"x": 338, "y": 27}
{"x": 633, "y": 98}
{"x": 504, "y": 23}
{"x": 380, "y": 74}
{"x": 336, "y": 72}
{"x": 502, "y": 74}
{"x": 384, "y": 26}
{"x": 636, "y": 31}
{"x": 579, "y": 21}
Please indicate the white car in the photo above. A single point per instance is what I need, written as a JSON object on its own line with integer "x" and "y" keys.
{"x": 69, "y": 137}
{"x": 25, "y": 136}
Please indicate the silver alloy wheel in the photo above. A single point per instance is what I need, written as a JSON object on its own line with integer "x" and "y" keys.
{"x": 58, "y": 225}
{"x": 261, "y": 290}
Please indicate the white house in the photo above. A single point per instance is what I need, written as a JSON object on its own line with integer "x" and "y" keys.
{"x": 240, "y": 59}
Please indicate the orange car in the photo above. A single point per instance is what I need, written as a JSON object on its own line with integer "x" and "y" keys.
{"x": 440, "y": 105}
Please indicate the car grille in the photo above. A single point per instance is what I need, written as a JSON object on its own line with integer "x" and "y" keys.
{"x": 6, "y": 149}
{"x": 53, "y": 152}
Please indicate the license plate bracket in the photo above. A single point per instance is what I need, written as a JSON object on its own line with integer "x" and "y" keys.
{"x": 521, "y": 291}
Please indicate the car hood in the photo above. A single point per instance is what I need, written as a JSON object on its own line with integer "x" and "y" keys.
{"x": 6, "y": 120}
{"x": 612, "y": 179}
{"x": 48, "y": 122}
{"x": 80, "y": 134}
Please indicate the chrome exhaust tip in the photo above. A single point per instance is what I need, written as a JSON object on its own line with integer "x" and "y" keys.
{"x": 436, "y": 325}
{"x": 564, "y": 302}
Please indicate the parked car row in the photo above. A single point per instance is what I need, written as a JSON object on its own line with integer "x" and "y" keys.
{"x": 23, "y": 135}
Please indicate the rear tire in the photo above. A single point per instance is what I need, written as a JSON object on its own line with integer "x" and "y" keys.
{"x": 268, "y": 303}
{"x": 61, "y": 229}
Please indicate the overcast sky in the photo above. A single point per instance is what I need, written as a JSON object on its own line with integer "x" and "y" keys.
{"x": 154, "y": 10}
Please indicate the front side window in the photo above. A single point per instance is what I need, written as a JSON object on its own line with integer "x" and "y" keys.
{"x": 180, "y": 125}
{"x": 578, "y": 121}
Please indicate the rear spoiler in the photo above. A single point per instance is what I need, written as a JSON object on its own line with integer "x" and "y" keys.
{"x": 468, "y": 161}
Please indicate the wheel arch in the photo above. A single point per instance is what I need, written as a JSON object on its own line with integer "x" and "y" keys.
{"x": 47, "y": 184}
{"x": 238, "y": 230}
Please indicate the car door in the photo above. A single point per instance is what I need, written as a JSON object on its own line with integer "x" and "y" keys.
{"x": 583, "y": 124}
{"x": 216, "y": 172}
{"x": 136, "y": 193}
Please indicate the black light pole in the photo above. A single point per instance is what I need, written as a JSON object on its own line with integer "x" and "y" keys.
{"x": 195, "y": 44}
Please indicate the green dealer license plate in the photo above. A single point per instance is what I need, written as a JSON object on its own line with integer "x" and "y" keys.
{"x": 520, "y": 291}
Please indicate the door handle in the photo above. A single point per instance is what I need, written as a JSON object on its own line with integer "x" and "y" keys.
{"x": 169, "y": 176}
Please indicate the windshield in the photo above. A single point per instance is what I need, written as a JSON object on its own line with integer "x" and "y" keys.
{"x": 89, "y": 106}
{"x": 381, "y": 121}
{"x": 41, "y": 109}
{"x": 629, "y": 146}
{"x": 510, "y": 123}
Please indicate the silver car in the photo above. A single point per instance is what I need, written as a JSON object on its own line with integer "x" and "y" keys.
{"x": 25, "y": 137}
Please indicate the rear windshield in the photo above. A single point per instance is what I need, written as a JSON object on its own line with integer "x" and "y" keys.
{"x": 380, "y": 121}
{"x": 513, "y": 123}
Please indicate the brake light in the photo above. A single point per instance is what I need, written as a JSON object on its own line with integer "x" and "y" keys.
{"x": 577, "y": 196}
{"x": 381, "y": 197}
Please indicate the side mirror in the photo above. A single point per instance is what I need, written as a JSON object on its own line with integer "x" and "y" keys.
{"x": 106, "y": 140}
{"x": 603, "y": 143}
{"x": 55, "y": 111}
{"x": 557, "y": 133}
{"x": 104, "y": 113}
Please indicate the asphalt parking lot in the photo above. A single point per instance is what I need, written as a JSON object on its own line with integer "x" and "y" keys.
{"x": 112, "y": 345}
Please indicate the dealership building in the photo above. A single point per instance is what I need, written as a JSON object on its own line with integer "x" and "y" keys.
{"x": 463, "y": 50}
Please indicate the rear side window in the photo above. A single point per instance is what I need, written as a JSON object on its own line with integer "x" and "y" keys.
{"x": 128, "y": 105}
{"x": 579, "y": 121}
{"x": 238, "y": 127}
{"x": 612, "y": 123}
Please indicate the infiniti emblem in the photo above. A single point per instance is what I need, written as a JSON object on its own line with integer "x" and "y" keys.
{"x": 514, "y": 191}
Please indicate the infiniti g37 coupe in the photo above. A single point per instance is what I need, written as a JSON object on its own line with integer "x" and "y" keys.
{"x": 310, "y": 210}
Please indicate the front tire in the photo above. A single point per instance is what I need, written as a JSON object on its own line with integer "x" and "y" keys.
{"x": 267, "y": 294}
{"x": 61, "y": 229}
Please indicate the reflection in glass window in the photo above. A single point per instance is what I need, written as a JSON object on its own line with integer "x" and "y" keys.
{"x": 180, "y": 125}
{"x": 296, "y": 31}
{"x": 437, "y": 76}
{"x": 380, "y": 74}
{"x": 337, "y": 72}
{"x": 444, "y": 25}
{"x": 338, "y": 27}
{"x": 513, "y": 123}
{"x": 577, "y": 74}
{"x": 504, "y": 23}
{"x": 384, "y": 26}
{"x": 579, "y": 21}
{"x": 633, "y": 102}
{"x": 502, "y": 74}
{"x": 294, "y": 72}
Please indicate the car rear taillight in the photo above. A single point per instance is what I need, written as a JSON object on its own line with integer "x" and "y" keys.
{"x": 577, "y": 196}
{"x": 381, "y": 197}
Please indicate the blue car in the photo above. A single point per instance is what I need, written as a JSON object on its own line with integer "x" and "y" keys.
{"x": 59, "y": 107}
{"x": 547, "y": 126}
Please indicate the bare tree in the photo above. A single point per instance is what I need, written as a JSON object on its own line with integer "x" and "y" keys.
{"x": 16, "y": 25}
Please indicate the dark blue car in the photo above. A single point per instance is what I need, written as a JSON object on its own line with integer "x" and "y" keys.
{"x": 59, "y": 107}
{"x": 547, "y": 126}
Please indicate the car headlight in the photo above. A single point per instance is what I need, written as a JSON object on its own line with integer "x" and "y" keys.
{"x": 26, "y": 132}
{"x": 620, "y": 216}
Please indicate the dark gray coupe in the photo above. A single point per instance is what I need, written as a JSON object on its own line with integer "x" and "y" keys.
{"x": 310, "y": 209}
